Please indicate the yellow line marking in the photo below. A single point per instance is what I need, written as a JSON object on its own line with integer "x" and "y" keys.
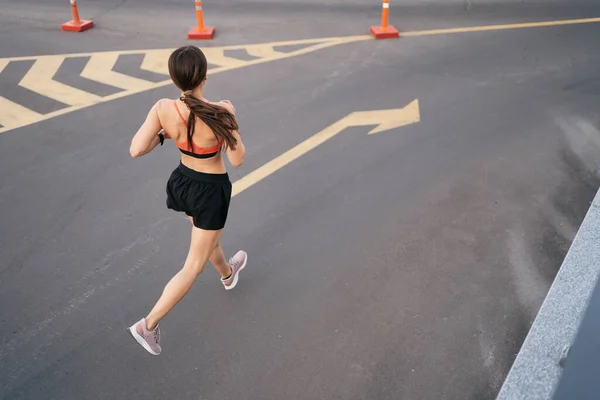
{"x": 3, "y": 64}
{"x": 383, "y": 119}
{"x": 99, "y": 69}
{"x": 15, "y": 114}
{"x": 39, "y": 79}
{"x": 501, "y": 27}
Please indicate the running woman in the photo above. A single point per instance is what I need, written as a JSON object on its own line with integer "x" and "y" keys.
{"x": 199, "y": 186}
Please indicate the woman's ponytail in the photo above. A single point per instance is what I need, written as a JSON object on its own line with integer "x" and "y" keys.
{"x": 219, "y": 119}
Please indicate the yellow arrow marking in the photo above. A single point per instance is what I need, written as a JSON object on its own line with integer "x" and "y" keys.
{"x": 39, "y": 79}
{"x": 99, "y": 69}
{"x": 384, "y": 119}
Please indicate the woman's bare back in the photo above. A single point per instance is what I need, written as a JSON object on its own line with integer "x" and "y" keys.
{"x": 172, "y": 114}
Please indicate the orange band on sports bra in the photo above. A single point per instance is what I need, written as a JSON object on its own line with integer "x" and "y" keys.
{"x": 179, "y": 112}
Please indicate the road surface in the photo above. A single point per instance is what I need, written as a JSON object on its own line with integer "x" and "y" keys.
{"x": 408, "y": 264}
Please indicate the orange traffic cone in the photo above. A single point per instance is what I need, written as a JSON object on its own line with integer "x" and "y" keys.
{"x": 385, "y": 31}
{"x": 76, "y": 25}
{"x": 200, "y": 32}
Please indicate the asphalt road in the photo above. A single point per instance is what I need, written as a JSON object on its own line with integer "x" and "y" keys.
{"x": 403, "y": 265}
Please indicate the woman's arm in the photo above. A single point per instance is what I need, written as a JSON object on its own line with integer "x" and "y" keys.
{"x": 146, "y": 138}
{"x": 155, "y": 141}
{"x": 236, "y": 157}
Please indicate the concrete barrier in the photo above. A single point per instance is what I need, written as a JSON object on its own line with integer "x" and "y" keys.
{"x": 537, "y": 370}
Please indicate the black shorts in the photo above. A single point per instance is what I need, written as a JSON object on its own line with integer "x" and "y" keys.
{"x": 204, "y": 197}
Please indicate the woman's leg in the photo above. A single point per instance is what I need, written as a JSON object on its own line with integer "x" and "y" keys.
{"x": 202, "y": 245}
{"x": 227, "y": 271}
{"x": 217, "y": 259}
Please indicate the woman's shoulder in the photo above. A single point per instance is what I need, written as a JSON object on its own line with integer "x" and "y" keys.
{"x": 226, "y": 104}
{"x": 168, "y": 109}
{"x": 164, "y": 104}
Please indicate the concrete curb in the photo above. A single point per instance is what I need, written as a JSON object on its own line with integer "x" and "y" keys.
{"x": 536, "y": 370}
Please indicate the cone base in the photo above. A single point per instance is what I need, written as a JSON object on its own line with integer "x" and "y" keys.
{"x": 71, "y": 26}
{"x": 384, "y": 33}
{"x": 204, "y": 34}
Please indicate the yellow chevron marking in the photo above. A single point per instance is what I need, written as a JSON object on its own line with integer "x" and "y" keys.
{"x": 3, "y": 64}
{"x": 263, "y": 51}
{"x": 99, "y": 69}
{"x": 39, "y": 80}
{"x": 157, "y": 61}
{"x": 13, "y": 114}
{"x": 216, "y": 55}
{"x": 320, "y": 44}
{"x": 154, "y": 61}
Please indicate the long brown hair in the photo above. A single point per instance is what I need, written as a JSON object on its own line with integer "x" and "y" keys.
{"x": 187, "y": 68}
